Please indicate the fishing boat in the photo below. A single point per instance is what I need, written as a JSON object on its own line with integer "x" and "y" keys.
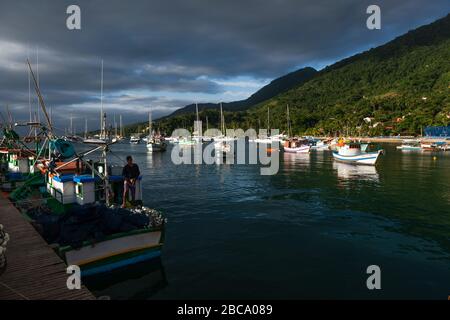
{"x": 135, "y": 139}
{"x": 442, "y": 145}
{"x": 352, "y": 153}
{"x": 80, "y": 217}
{"x": 74, "y": 204}
{"x": 410, "y": 145}
{"x": 434, "y": 146}
{"x": 318, "y": 145}
{"x": 295, "y": 145}
{"x": 173, "y": 140}
{"x": 155, "y": 143}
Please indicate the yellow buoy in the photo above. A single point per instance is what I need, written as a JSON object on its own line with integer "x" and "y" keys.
{"x": 434, "y": 158}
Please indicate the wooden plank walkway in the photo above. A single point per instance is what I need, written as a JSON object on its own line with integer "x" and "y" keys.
{"x": 34, "y": 271}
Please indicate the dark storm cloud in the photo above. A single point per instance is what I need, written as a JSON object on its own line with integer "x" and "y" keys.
{"x": 181, "y": 46}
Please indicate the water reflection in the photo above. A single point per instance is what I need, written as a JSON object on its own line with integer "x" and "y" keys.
{"x": 139, "y": 281}
{"x": 355, "y": 172}
{"x": 294, "y": 161}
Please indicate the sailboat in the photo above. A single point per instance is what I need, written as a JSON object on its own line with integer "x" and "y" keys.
{"x": 268, "y": 139}
{"x": 221, "y": 146}
{"x": 135, "y": 139}
{"x": 294, "y": 145}
{"x": 223, "y": 136}
{"x": 196, "y": 134}
{"x": 154, "y": 143}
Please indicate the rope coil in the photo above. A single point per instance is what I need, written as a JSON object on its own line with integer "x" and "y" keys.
{"x": 4, "y": 238}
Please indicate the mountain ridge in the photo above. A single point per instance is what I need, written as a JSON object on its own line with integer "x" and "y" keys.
{"x": 402, "y": 85}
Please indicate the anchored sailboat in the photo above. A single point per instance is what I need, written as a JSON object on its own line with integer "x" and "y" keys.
{"x": 154, "y": 143}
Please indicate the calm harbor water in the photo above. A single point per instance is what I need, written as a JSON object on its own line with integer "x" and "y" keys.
{"x": 308, "y": 232}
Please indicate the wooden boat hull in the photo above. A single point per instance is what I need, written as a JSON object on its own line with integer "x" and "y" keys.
{"x": 115, "y": 253}
{"x": 301, "y": 149}
{"x": 368, "y": 158}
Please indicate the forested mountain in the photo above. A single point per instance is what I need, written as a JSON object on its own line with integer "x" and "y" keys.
{"x": 399, "y": 87}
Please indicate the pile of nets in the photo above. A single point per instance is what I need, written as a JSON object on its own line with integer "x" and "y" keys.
{"x": 4, "y": 238}
{"x": 91, "y": 223}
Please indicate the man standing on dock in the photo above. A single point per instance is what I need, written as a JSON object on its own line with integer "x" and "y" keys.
{"x": 130, "y": 173}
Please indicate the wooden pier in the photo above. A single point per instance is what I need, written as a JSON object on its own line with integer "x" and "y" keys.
{"x": 34, "y": 271}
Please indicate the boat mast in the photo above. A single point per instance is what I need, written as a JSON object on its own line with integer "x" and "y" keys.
{"x": 71, "y": 125}
{"x": 101, "y": 104}
{"x": 85, "y": 128}
{"x": 222, "y": 119}
{"x": 115, "y": 126}
{"x": 198, "y": 120}
{"x": 196, "y": 110}
{"x": 29, "y": 89}
{"x": 149, "y": 123}
{"x": 288, "y": 121}
{"x": 121, "y": 128}
{"x": 38, "y": 83}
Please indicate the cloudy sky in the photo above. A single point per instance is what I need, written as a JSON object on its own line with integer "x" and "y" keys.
{"x": 169, "y": 53}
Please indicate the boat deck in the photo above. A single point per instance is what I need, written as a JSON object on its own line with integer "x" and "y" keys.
{"x": 33, "y": 271}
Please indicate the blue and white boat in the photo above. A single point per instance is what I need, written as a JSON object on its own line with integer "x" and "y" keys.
{"x": 410, "y": 145}
{"x": 352, "y": 153}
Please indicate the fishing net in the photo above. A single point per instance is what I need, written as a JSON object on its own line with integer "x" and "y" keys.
{"x": 4, "y": 238}
{"x": 92, "y": 223}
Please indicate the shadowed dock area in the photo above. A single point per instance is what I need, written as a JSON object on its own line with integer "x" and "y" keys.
{"x": 33, "y": 271}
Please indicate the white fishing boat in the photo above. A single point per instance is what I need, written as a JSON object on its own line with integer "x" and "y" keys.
{"x": 135, "y": 139}
{"x": 319, "y": 145}
{"x": 351, "y": 153}
{"x": 296, "y": 146}
{"x": 173, "y": 140}
{"x": 410, "y": 145}
{"x": 267, "y": 140}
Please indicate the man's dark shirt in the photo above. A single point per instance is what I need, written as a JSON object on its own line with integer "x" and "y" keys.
{"x": 131, "y": 172}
